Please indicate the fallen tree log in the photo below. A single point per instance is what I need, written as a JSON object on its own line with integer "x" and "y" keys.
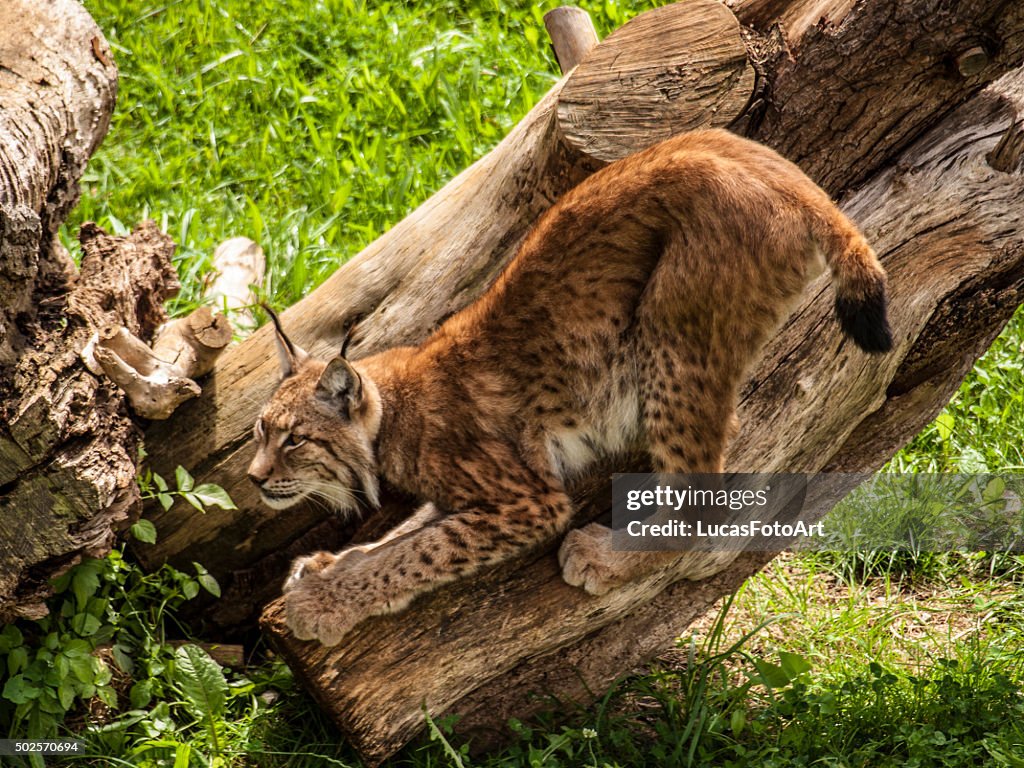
{"x": 448, "y": 251}
{"x": 427, "y": 267}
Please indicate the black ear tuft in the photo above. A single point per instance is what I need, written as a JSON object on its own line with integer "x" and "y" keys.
{"x": 865, "y": 320}
{"x": 289, "y": 355}
{"x": 340, "y": 383}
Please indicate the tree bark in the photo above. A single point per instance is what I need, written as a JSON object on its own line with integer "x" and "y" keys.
{"x": 67, "y": 446}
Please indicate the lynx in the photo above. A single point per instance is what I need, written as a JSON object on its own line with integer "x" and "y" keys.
{"x": 624, "y": 323}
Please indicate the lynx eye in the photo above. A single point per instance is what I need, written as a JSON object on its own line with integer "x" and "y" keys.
{"x": 291, "y": 441}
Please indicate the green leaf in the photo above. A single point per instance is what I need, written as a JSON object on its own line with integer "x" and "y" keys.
{"x": 165, "y": 499}
{"x": 17, "y": 660}
{"x": 190, "y": 588}
{"x": 208, "y": 493}
{"x": 737, "y": 722}
{"x": 182, "y": 756}
{"x": 159, "y": 482}
{"x": 144, "y": 531}
{"x": 192, "y": 499}
{"x": 201, "y": 682}
{"x": 994, "y": 490}
{"x": 772, "y": 675}
{"x": 107, "y": 695}
{"x": 183, "y": 479}
{"x": 85, "y": 624}
{"x": 10, "y": 638}
{"x": 944, "y": 425}
{"x": 141, "y": 694}
{"x": 793, "y": 664}
{"x": 18, "y": 690}
{"x": 86, "y": 581}
{"x": 81, "y": 668}
{"x": 66, "y": 694}
{"x": 206, "y": 580}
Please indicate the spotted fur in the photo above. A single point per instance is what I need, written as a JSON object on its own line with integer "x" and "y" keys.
{"x": 625, "y": 322}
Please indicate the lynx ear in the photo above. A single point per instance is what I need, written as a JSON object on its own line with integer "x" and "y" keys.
{"x": 290, "y": 356}
{"x": 340, "y": 383}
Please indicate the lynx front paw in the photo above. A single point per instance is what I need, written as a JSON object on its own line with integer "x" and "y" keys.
{"x": 312, "y": 612}
{"x": 587, "y": 559}
{"x": 306, "y": 566}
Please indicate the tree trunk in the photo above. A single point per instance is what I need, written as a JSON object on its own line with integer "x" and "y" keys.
{"x": 68, "y": 449}
{"x": 491, "y": 649}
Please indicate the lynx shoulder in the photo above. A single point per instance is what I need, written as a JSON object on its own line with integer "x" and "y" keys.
{"x": 625, "y": 323}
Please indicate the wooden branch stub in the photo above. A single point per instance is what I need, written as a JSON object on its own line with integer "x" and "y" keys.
{"x": 159, "y": 378}
{"x": 672, "y": 69}
{"x": 238, "y": 265}
{"x": 572, "y": 35}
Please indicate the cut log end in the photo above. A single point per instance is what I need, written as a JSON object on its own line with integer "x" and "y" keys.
{"x": 670, "y": 70}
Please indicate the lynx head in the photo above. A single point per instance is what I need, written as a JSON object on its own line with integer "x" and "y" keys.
{"x": 315, "y": 438}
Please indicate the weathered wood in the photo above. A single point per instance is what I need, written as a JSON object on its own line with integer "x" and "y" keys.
{"x": 68, "y": 445}
{"x": 67, "y": 449}
{"x": 572, "y": 35}
{"x": 430, "y": 265}
{"x": 159, "y": 377}
{"x": 615, "y": 104}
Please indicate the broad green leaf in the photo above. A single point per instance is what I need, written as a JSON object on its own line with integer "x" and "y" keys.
{"x": 772, "y": 675}
{"x": 793, "y": 664}
{"x": 141, "y": 694}
{"x": 183, "y": 479}
{"x": 208, "y": 582}
{"x": 944, "y": 425}
{"x": 86, "y": 581}
{"x": 85, "y": 624}
{"x": 17, "y": 660}
{"x": 18, "y": 690}
{"x": 201, "y": 682}
{"x": 208, "y": 493}
{"x": 10, "y": 638}
{"x": 66, "y": 694}
{"x": 144, "y": 531}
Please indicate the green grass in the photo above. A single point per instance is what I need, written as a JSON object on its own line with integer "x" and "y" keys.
{"x": 312, "y": 127}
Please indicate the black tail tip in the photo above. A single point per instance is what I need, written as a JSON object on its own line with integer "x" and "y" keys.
{"x": 866, "y": 321}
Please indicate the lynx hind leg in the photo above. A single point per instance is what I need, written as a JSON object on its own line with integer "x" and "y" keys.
{"x": 689, "y": 417}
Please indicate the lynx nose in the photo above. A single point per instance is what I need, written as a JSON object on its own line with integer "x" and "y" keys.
{"x": 259, "y": 472}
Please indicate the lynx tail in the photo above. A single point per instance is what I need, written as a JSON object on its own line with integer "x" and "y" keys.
{"x": 859, "y": 280}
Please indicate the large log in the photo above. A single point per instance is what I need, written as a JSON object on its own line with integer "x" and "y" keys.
{"x": 814, "y": 403}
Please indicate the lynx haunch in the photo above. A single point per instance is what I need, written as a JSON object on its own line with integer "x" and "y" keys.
{"x": 625, "y": 323}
